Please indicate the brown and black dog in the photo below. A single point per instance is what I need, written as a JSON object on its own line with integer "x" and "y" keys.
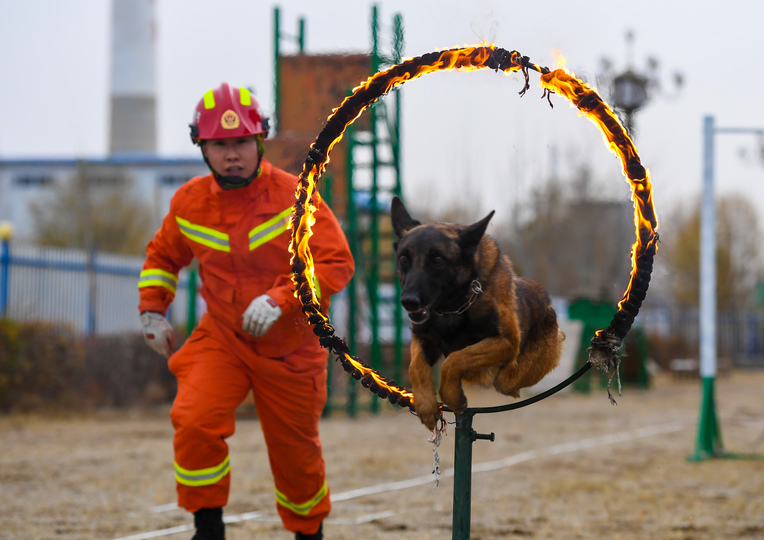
{"x": 466, "y": 303}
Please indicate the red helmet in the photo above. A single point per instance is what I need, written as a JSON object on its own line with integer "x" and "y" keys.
{"x": 227, "y": 112}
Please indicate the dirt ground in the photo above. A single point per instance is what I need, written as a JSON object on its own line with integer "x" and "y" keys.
{"x": 569, "y": 467}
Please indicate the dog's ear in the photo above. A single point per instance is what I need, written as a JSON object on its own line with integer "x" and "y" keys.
{"x": 401, "y": 219}
{"x": 469, "y": 236}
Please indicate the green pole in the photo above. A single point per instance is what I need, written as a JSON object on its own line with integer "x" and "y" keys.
{"x": 642, "y": 351}
{"x": 351, "y": 231}
{"x": 462, "y": 476}
{"x": 708, "y": 444}
{"x": 191, "y": 315}
{"x": 709, "y": 441}
{"x": 465, "y": 436}
{"x": 301, "y": 34}
{"x": 396, "y": 147}
{"x": 328, "y": 405}
{"x": 326, "y": 194}
{"x": 276, "y": 78}
{"x": 373, "y": 283}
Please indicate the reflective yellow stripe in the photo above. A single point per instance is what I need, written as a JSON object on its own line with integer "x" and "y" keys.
{"x": 202, "y": 477}
{"x": 209, "y": 100}
{"x": 269, "y": 230}
{"x": 304, "y": 508}
{"x": 316, "y": 286}
{"x": 245, "y": 97}
{"x": 154, "y": 277}
{"x": 204, "y": 235}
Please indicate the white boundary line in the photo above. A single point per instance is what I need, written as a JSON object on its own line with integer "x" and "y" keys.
{"x": 557, "y": 449}
{"x": 159, "y": 533}
{"x": 563, "y": 448}
{"x": 165, "y": 508}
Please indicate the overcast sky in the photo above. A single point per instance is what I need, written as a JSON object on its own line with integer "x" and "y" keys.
{"x": 467, "y": 136}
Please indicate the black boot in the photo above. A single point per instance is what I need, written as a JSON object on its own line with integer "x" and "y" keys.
{"x": 209, "y": 524}
{"x": 315, "y": 536}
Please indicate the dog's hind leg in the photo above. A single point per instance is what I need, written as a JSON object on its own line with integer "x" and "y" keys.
{"x": 482, "y": 356}
{"x": 507, "y": 380}
{"x": 538, "y": 357}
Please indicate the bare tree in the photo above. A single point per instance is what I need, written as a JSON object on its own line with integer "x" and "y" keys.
{"x": 570, "y": 234}
{"x": 94, "y": 209}
{"x": 738, "y": 257}
{"x": 574, "y": 241}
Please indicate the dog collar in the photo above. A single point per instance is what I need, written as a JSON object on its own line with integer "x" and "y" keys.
{"x": 475, "y": 289}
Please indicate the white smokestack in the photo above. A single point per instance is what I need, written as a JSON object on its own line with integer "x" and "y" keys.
{"x": 133, "y": 97}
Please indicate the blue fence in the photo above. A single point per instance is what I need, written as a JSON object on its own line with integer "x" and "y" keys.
{"x": 97, "y": 294}
{"x": 739, "y": 335}
{"x": 93, "y": 293}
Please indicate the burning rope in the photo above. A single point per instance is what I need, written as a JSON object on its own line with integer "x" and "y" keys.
{"x": 606, "y": 343}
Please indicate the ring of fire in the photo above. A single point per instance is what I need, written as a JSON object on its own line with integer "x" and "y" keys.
{"x": 606, "y": 342}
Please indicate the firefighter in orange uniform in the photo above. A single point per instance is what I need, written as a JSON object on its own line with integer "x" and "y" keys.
{"x": 253, "y": 335}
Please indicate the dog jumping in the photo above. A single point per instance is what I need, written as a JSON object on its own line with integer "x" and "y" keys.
{"x": 466, "y": 304}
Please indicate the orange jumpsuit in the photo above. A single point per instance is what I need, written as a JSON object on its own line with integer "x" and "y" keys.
{"x": 240, "y": 239}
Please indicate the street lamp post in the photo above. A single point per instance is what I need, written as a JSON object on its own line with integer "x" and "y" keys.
{"x": 629, "y": 95}
{"x": 630, "y": 90}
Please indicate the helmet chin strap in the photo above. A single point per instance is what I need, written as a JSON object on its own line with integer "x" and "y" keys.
{"x": 235, "y": 182}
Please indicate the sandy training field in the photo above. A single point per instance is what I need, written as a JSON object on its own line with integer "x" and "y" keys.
{"x": 569, "y": 467}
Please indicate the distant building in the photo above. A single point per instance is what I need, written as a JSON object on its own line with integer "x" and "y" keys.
{"x": 151, "y": 179}
{"x": 132, "y": 145}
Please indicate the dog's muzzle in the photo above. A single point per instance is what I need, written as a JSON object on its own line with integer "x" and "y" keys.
{"x": 416, "y": 309}
{"x": 419, "y": 316}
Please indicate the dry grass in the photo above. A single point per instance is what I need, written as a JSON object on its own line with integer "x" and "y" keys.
{"x": 102, "y": 476}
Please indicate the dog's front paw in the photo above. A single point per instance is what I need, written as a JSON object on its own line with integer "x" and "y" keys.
{"x": 428, "y": 411}
{"x": 454, "y": 399}
{"x": 456, "y": 402}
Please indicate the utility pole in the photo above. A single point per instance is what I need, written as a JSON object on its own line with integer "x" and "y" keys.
{"x": 709, "y": 441}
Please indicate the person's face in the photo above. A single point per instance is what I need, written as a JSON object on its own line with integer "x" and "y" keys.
{"x": 236, "y": 156}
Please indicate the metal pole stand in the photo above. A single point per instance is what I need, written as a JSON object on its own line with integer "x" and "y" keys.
{"x": 465, "y": 436}
{"x": 709, "y": 442}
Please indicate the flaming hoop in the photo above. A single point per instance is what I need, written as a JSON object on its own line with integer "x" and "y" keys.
{"x": 603, "y": 352}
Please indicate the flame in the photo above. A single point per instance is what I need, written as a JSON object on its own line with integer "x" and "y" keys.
{"x": 586, "y": 100}
{"x": 467, "y": 58}
{"x": 559, "y": 60}
{"x": 379, "y": 84}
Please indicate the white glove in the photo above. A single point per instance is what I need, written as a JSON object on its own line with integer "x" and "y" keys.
{"x": 158, "y": 333}
{"x": 260, "y": 315}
